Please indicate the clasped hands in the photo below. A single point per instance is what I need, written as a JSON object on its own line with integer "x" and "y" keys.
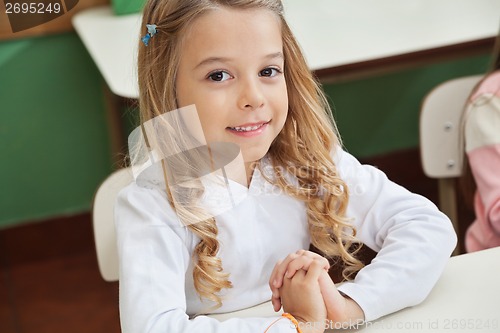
{"x": 301, "y": 284}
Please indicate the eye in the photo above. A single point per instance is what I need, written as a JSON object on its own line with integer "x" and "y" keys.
{"x": 269, "y": 72}
{"x": 219, "y": 76}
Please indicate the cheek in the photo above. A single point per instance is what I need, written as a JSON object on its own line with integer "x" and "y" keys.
{"x": 181, "y": 94}
{"x": 186, "y": 88}
{"x": 210, "y": 122}
{"x": 281, "y": 103}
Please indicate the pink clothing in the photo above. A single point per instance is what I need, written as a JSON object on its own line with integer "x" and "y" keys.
{"x": 482, "y": 146}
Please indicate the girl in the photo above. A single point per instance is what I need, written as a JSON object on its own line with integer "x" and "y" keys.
{"x": 482, "y": 146}
{"x": 239, "y": 64}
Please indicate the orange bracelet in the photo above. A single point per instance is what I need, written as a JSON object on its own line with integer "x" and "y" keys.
{"x": 274, "y": 322}
{"x": 294, "y": 321}
{"x": 288, "y": 316}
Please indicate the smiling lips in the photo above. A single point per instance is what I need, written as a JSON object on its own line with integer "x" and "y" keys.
{"x": 249, "y": 129}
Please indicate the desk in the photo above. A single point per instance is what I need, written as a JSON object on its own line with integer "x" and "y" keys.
{"x": 336, "y": 35}
{"x": 465, "y": 299}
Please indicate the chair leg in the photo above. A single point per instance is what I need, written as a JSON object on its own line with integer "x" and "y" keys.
{"x": 448, "y": 204}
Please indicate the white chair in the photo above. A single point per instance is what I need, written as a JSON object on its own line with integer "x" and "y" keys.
{"x": 103, "y": 222}
{"x": 441, "y": 138}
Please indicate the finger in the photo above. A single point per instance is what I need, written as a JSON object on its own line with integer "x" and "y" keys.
{"x": 296, "y": 278}
{"x": 304, "y": 261}
{"x": 275, "y": 293}
{"x": 297, "y": 264}
{"x": 276, "y": 304}
{"x": 314, "y": 255}
{"x": 274, "y": 273}
{"x": 281, "y": 269}
{"x": 301, "y": 252}
{"x": 316, "y": 268}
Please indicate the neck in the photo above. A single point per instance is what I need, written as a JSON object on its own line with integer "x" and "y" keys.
{"x": 249, "y": 168}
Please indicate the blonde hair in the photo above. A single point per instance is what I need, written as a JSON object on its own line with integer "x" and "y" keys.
{"x": 303, "y": 147}
{"x": 467, "y": 181}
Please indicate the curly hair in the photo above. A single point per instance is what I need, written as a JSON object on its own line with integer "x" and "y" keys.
{"x": 303, "y": 147}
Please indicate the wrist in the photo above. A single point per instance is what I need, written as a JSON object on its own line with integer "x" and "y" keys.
{"x": 310, "y": 327}
{"x": 305, "y": 326}
{"x": 351, "y": 314}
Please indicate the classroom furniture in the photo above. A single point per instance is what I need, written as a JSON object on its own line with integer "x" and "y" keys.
{"x": 441, "y": 139}
{"x": 338, "y": 37}
{"x": 465, "y": 298}
{"x": 103, "y": 222}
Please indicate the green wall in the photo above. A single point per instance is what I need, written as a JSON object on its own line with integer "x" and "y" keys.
{"x": 379, "y": 114}
{"x": 54, "y": 142}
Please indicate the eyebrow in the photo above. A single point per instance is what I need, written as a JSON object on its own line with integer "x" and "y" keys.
{"x": 223, "y": 59}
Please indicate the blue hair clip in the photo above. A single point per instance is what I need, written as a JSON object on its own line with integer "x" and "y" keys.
{"x": 151, "y": 32}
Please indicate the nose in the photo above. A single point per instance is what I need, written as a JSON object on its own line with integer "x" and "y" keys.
{"x": 251, "y": 95}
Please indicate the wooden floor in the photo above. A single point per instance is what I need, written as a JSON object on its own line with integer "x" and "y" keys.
{"x": 50, "y": 282}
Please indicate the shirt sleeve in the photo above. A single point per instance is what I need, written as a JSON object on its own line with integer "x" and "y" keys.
{"x": 154, "y": 258}
{"x": 482, "y": 137}
{"x": 412, "y": 237}
{"x": 485, "y": 231}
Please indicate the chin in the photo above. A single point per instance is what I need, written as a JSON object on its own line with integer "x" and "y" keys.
{"x": 253, "y": 155}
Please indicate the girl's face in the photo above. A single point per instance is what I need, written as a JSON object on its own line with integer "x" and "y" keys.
{"x": 231, "y": 67}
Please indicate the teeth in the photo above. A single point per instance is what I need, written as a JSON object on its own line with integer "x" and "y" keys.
{"x": 246, "y": 129}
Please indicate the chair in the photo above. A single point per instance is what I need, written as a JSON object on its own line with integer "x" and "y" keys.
{"x": 441, "y": 139}
{"x": 103, "y": 222}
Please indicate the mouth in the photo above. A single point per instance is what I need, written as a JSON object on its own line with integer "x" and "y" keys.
{"x": 249, "y": 127}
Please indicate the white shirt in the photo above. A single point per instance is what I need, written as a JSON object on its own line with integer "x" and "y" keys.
{"x": 413, "y": 240}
